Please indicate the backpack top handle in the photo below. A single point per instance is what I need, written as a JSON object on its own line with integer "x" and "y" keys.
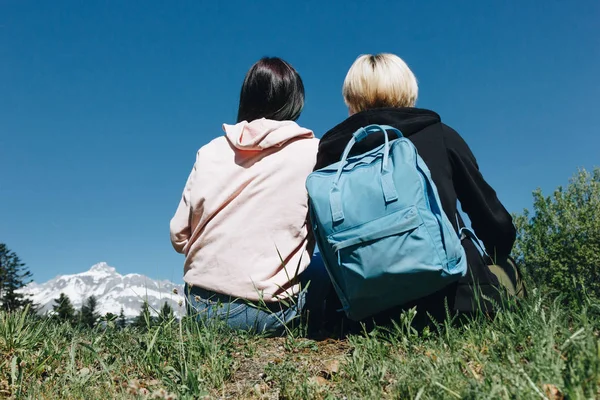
{"x": 387, "y": 183}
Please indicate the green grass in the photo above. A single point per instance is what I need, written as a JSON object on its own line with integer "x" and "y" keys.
{"x": 543, "y": 349}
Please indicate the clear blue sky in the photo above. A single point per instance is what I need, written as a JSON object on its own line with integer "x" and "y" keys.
{"x": 103, "y": 104}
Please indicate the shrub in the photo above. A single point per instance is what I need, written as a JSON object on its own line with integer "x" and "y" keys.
{"x": 559, "y": 243}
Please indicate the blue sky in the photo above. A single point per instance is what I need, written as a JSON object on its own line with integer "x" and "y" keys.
{"x": 103, "y": 104}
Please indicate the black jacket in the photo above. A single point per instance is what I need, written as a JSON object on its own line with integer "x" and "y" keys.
{"x": 454, "y": 171}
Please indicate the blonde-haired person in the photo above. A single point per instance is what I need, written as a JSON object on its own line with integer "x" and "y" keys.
{"x": 381, "y": 89}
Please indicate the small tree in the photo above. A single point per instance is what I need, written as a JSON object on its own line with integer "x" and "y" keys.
{"x": 63, "y": 309}
{"x": 14, "y": 275}
{"x": 559, "y": 243}
{"x": 144, "y": 319}
{"x": 121, "y": 321}
{"x": 110, "y": 320}
{"x": 89, "y": 312}
{"x": 110, "y": 317}
{"x": 166, "y": 313}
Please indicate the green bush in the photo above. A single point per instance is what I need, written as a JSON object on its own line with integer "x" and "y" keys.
{"x": 559, "y": 243}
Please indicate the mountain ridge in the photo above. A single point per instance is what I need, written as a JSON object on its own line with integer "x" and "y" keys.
{"x": 111, "y": 289}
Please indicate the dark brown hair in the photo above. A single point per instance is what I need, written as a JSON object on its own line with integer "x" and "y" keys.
{"x": 272, "y": 89}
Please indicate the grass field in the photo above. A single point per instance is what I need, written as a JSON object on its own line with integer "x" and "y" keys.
{"x": 546, "y": 348}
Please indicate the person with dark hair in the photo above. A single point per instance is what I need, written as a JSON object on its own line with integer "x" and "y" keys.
{"x": 241, "y": 222}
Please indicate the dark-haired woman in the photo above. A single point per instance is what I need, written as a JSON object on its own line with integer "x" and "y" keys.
{"x": 241, "y": 222}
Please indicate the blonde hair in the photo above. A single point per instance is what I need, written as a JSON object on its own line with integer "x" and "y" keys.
{"x": 380, "y": 80}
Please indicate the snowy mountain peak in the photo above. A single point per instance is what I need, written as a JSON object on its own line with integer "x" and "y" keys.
{"x": 103, "y": 267}
{"x": 112, "y": 290}
{"x": 102, "y": 270}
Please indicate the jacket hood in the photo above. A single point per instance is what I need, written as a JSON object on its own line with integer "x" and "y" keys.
{"x": 407, "y": 120}
{"x": 264, "y": 133}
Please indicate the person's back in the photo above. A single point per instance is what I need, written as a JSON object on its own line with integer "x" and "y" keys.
{"x": 241, "y": 222}
{"x": 382, "y": 90}
{"x": 249, "y": 204}
{"x": 453, "y": 167}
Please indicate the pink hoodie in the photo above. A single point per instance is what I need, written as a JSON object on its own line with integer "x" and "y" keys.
{"x": 244, "y": 208}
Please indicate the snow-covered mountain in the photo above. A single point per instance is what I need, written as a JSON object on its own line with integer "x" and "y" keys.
{"x": 111, "y": 289}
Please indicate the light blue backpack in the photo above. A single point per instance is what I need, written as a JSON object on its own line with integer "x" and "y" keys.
{"x": 380, "y": 227}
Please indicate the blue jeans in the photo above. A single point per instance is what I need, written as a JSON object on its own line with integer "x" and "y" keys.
{"x": 262, "y": 317}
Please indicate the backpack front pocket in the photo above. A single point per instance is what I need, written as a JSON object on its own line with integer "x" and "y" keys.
{"x": 396, "y": 223}
{"x": 387, "y": 261}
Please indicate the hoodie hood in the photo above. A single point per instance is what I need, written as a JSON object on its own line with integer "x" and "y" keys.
{"x": 408, "y": 120}
{"x": 264, "y": 133}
